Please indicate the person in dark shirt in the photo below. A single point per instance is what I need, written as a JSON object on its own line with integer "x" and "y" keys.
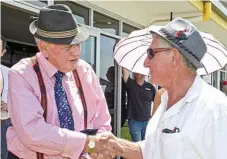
{"x": 109, "y": 94}
{"x": 140, "y": 95}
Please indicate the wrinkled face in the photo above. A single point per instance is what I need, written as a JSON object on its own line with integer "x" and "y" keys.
{"x": 160, "y": 63}
{"x": 63, "y": 57}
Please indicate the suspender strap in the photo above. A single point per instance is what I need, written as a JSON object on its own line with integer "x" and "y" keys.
{"x": 43, "y": 94}
{"x": 44, "y": 97}
{"x": 42, "y": 89}
{"x": 81, "y": 93}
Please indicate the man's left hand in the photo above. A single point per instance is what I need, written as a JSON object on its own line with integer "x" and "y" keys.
{"x": 107, "y": 147}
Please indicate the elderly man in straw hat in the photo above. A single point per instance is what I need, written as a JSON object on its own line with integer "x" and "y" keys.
{"x": 190, "y": 122}
{"x": 55, "y": 99}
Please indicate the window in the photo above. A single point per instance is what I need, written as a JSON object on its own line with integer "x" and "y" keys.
{"x": 106, "y": 23}
{"x": 107, "y": 75}
{"x": 81, "y": 13}
{"x": 127, "y": 29}
{"x": 38, "y": 3}
{"x": 88, "y": 51}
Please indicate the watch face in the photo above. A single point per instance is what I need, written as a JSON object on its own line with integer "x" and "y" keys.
{"x": 91, "y": 144}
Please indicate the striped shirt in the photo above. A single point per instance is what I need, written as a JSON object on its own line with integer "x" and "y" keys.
{"x": 30, "y": 133}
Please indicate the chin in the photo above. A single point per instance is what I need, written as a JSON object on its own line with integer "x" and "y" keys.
{"x": 67, "y": 69}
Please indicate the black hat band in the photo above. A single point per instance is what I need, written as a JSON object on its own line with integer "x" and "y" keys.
{"x": 177, "y": 42}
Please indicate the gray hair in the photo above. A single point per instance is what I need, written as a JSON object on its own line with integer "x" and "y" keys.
{"x": 39, "y": 40}
{"x": 187, "y": 63}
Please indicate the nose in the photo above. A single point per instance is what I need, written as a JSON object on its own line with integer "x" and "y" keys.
{"x": 146, "y": 62}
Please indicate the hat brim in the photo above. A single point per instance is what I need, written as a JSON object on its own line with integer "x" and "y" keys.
{"x": 80, "y": 37}
{"x": 156, "y": 30}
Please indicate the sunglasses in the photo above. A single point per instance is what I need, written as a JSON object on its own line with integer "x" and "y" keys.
{"x": 151, "y": 52}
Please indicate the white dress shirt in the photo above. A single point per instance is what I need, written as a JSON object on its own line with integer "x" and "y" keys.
{"x": 201, "y": 117}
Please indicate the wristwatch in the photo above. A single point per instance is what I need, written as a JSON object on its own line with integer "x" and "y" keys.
{"x": 91, "y": 145}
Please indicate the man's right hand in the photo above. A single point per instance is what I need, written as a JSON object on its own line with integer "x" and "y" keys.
{"x": 106, "y": 147}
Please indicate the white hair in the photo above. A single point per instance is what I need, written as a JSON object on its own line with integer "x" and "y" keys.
{"x": 187, "y": 63}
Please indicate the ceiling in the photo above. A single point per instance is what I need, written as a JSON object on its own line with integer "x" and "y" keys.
{"x": 15, "y": 24}
{"x": 146, "y": 13}
{"x": 143, "y": 13}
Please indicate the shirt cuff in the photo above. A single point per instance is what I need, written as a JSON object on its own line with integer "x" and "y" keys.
{"x": 74, "y": 146}
{"x": 142, "y": 146}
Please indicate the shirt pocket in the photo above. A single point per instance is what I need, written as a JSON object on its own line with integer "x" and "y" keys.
{"x": 177, "y": 146}
{"x": 171, "y": 145}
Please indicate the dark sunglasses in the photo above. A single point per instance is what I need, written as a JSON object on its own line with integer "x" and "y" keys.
{"x": 151, "y": 52}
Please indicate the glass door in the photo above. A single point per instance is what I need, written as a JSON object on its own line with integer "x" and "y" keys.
{"x": 107, "y": 75}
{"x": 90, "y": 49}
{"x": 98, "y": 51}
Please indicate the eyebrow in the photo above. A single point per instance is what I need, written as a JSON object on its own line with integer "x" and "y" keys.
{"x": 66, "y": 47}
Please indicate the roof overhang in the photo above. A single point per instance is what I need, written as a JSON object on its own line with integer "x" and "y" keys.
{"x": 145, "y": 13}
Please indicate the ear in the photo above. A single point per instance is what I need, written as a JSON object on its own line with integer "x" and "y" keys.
{"x": 43, "y": 47}
{"x": 175, "y": 57}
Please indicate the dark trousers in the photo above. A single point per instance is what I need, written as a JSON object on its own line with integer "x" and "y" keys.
{"x": 4, "y": 126}
{"x": 12, "y": 156}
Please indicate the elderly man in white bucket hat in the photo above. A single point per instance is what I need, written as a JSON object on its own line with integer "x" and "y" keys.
{"x": 55, "y": 99}
{"x": 190, "y": 122}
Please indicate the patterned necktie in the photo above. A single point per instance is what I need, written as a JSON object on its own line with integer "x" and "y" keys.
{"x": 64, "y": 110}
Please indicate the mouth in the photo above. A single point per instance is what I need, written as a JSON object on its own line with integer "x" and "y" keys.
{"x": 74, "y": 60}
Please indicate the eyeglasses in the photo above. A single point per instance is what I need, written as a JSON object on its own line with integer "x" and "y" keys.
{"x": 151, "y": 52}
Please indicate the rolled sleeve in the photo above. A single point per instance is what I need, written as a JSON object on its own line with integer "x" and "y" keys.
{"x": 129, "y": 83}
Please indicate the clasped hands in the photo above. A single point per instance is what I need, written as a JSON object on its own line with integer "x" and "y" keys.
{"x": 106, "y": 146}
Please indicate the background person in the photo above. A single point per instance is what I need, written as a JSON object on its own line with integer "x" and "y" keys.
{"x": 109, "y": 94}
{"x": 140, "y": 96}
{"x": 5, "y": 119}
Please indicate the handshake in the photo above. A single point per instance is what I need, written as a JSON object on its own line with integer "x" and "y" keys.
{"x": 103, "y": 146}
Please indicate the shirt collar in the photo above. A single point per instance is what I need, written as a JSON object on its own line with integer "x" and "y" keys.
{"x": 192, "y": 93}
{"x": 49, "y": 69}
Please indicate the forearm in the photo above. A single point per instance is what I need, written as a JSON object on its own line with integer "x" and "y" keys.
{"x": 53, "y": 141}
{"x": 125, "y": 74}
{"x": 34, "y": 132}
{"x": 132, "y": 150}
